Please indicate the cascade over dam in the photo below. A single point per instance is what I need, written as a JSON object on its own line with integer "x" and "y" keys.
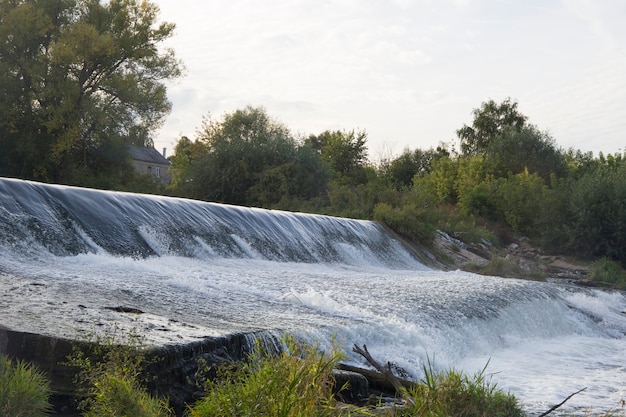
{"x": 190, "y": 276}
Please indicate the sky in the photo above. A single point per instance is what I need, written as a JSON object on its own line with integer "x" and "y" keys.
{"x": 408, "y": 72}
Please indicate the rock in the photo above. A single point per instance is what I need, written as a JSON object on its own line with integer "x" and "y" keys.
{"x": 350, "y": 387}
{"x": 124, "y": 309}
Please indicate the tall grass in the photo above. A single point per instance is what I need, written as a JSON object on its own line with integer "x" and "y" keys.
{"x": 295, "y": 383}
{"x": 24, "y": 391}
{"x": 455, "y": 394}
{"x": 605, "y": 270}
{"x": 110, "y": 377}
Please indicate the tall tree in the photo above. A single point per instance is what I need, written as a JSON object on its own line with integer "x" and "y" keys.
{"x": 248, "y": 158}
{"x": 528, "y": 149}
{"x": 489, "y": 121}
{"x": 345, "y": 152}
{"x": 79, "y": 79}
{"x": 401, "y": 170}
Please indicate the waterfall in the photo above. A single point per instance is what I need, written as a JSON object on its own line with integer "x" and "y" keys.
{"x": 70, "y": 221}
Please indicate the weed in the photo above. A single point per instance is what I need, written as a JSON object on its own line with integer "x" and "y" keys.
{"x": 110, "y": 374}
{"x": 297, "y": 382}
{"x": 452, "y": 394}
{"x": 24, "y": 391}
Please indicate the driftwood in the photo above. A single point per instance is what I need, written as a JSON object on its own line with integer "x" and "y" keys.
{"x": 561, "y": 403}
{"x": 386, "y": 372}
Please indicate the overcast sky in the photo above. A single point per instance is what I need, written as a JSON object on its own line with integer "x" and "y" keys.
{"x": 409, "y": 73}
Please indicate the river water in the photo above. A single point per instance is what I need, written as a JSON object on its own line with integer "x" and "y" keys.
{"x": 199, "y": 269}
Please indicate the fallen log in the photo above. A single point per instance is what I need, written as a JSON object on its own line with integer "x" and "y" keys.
{"x": 386, "y": 372}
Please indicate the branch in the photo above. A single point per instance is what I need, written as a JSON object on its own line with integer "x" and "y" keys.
{"x": 561, "y": 403}
{"x": 386, "y": 372}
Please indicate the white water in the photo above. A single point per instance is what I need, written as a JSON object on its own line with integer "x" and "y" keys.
{"x": 541, "y": 341}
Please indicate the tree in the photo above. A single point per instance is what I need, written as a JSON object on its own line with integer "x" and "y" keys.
{"x": 489, "y": 121}
{"x": 345, "y": 152}
{"x": 79, "y": 80}
{"x": 248, "y": 158}
{"x": 598, "y": 206}
{"x": 527, "y": 149}
{"x": 185, "y": 153}
{"x": 401, "y": 170}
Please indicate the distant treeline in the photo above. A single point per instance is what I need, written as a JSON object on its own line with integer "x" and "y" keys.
{"x": 508, "y": 179}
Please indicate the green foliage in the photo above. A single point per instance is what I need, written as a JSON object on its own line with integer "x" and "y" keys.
{"x": 121, "y": 396}
{"x": 598, "y": 207}
{"x": 247, "y": 158}
{"x": 460, "y": 225}
{"x": 440, "y": 182}
{"x": 471, "y": 172}
{"x": 110, "y": 375}
{"x": 516, "y": 150}
{"x": 608, "y": 271}
{"x": 401, "y": 170}
{"x": 186, "y": 153}
{"x": 489, "y": 121}
{"x": 454, "y": 394}
{"x": 415, "y": 223}
{"x": 498, "y": 267}
{"x": 297, "y": 383}
{"x": 24, "y": 391}
{"x": 519, "y": 201}
{"x": 345, "y": 152}
{"x": 79, "y": 80}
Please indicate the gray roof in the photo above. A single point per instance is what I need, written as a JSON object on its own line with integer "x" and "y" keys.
{"x": 139, "y": 153}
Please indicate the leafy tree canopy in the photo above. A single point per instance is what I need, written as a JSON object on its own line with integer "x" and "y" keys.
{"x": 345, "y": 152}
{"x": 247, "y": 158}
{"x": 527, "y": 149}
{"x": 489, "y": 121}
{"x": 79, "y": 80}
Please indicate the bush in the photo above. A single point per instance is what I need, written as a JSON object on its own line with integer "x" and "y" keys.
{"x": 24, "y": 391}
{"x": 115, "y": 395}
{"x": 110, "y": 375}
{"x": 417, "y": 224}
{"x": 608, "y": 271}
{"x": 288, "y": 384}
{"x": 452, "y": 394}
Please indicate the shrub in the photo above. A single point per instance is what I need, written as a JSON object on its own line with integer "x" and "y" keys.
{"x": 606, "y": 270}
{"x": 24, "y": 391}
{"x": 288, "y": 384}
{"x": 110, "y": 375}
{"x": 115, "y": 395}
{"x": 415, "y": 223}
{"x": 453, "y": 394}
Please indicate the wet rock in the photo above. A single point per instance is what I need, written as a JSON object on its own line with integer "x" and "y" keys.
{"x": 350, "y": 387}
{"x": 123, "y": 309}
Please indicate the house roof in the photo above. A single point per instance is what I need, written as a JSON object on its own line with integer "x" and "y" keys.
{"x": 139, "y": 153}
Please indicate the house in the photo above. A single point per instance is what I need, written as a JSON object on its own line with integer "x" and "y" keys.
{"x": 148, "y": 161}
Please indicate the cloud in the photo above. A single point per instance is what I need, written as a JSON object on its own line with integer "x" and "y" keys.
{"x": 408, "y": 72}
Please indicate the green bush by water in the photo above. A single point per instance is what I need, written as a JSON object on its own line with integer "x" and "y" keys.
{"x": 110, "y": 376}
{"x": 24, "y": 391}
{"x": 454, "y": 394}
{"x": 297, "y": 383}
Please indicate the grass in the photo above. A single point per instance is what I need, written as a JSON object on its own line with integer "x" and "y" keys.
{"x": 111, "y": 383}
{"x": 455, "y": 394}
{"x": 608, "y": 271}
{"x": 293, "y": 383}
{"x": 24, "y": 391}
